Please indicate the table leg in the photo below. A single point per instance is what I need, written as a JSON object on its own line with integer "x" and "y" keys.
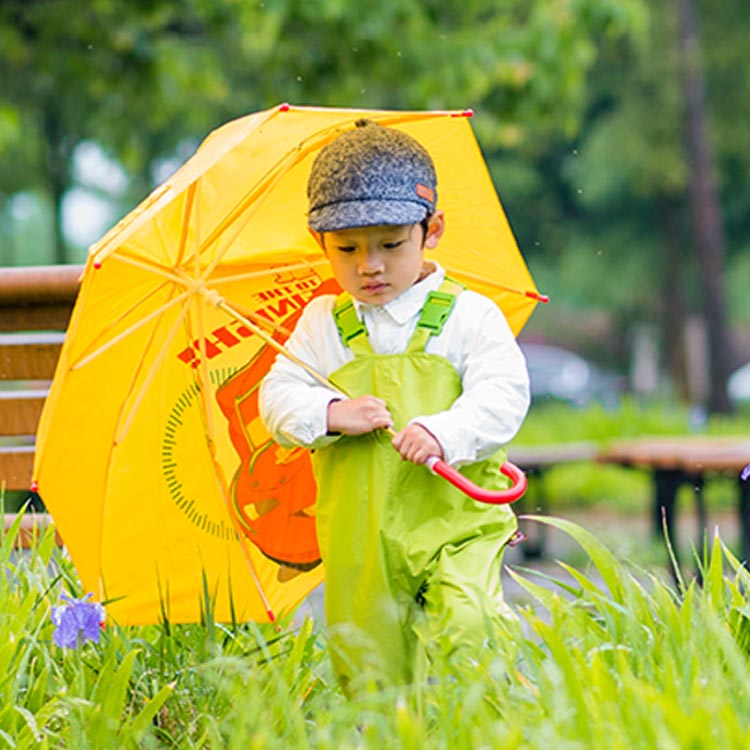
{"x": 534, "y": 544}
{"x": 700, "y": 511}
{"x": 666, "y": 483}
{"x": 744, "y": 519}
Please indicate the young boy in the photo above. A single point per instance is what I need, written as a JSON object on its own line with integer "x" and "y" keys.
{"x": 411, "y": 563}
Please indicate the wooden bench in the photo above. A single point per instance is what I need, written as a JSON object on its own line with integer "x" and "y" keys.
{"x": 35, "y": 307}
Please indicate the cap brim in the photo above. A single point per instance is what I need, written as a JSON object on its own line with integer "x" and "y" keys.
{"x": 352, "y": 214}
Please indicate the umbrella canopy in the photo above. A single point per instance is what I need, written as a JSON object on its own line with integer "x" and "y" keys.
{"x": 161, "y": 478}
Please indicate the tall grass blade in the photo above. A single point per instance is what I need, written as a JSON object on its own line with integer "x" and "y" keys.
{"x": 145, "y": 717}
{"x": 606, "y": 563}
{"x": 672, "y": 556}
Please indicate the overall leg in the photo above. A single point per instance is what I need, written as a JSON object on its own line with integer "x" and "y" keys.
{"x": 463, "y": 601}
{"x": 368, "y": 634}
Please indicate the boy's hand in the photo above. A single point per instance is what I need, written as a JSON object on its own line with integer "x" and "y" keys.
{"x": 417, "y": 444}
{"x": 358, "y": 416}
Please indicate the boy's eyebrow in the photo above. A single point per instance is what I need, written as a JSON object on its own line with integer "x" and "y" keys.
{"x": 385, "y": 232}
{"x": 336, "y": 240}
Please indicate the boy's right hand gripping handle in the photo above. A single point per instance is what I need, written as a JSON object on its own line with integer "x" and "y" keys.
{"x": 494, "y": 497}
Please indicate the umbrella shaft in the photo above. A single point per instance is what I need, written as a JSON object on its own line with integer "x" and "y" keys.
{"x": 268, "y": 339}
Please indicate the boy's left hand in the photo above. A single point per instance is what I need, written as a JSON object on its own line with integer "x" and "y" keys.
{"x": 417, "y": 444}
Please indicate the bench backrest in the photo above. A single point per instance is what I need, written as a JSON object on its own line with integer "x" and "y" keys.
{"x": 35, "y": 307}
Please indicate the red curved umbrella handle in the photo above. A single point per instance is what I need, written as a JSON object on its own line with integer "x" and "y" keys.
{"x": 494, "y": 497}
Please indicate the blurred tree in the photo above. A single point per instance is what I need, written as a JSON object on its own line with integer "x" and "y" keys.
{"x": 100, "y": 71}
{"x": 141, "y": 77}
{"x": 704, "y": 203}
{"x": 616, "y": 209}
{"x": 624, "y": 179}
{"x": 522, "y": 63}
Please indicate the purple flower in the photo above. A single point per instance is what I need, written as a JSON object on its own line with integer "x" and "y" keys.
{"x": 745, "y": 473}
{"x": 77, "y": 621}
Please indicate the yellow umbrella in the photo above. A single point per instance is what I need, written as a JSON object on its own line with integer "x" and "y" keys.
{"x": 161, "y": 479}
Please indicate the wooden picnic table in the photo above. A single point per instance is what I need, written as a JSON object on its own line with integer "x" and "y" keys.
{"x": 677, "y": 460}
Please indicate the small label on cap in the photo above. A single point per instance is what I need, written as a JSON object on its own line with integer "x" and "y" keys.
{"x": 424, "y": 192}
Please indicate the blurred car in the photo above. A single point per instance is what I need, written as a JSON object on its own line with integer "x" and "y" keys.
{"x": 738, "y": 385}
{"x": 559, "y": 374}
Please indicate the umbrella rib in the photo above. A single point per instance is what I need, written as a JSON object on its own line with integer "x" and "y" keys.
{"x": 222, "y": 305}
{"x": 266, "y": 271}
{"x": 532, "y": 293}
{"x": 197, "y": 222}
{"x": 120, "y": 336}
{"x": 263, "y": 322}
{"x": 233, "y": 217}
{"x": 159, "y": 270}
{"x": 165, "y": 244}
{"x": 203, "y": 368}
{"x": 189, "y": 202}
{"x": 158, "y": 199}
{"x": 125, "y": 425}
{"x": 256, "y": 580}
{"x": 201, "y": 329}
{"x": 263, "y": 188}
{"x": 199, "y": 321}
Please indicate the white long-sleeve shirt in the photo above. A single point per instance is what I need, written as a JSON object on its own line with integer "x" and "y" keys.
{"x": 476, "y": 339}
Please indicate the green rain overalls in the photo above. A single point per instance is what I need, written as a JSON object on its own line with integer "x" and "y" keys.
{"x": 411, "y": 562}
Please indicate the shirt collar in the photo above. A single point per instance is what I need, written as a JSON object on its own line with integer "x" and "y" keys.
{"x": 411, "y": 301}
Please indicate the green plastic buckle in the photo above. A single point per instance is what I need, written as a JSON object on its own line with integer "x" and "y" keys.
{"x": 349, "y": 325}
{"x": 436, "y": 310}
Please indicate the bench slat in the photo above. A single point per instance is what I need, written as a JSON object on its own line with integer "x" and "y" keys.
{"x": 20, "y": 411}
{"x": 24, "y": 358}
{"x": 41, "y": 318}
{"x": 16, "y": 466}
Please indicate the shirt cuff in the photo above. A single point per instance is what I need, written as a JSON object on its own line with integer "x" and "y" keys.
{"x": 311, "y": 428}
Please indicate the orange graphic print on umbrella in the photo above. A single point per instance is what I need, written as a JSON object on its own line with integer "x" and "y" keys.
{"x": 273, "y": 490}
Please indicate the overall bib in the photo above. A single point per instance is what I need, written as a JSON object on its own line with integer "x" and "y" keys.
{"x": 411, "y": 562}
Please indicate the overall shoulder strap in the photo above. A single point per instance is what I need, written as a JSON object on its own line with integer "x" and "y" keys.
{"x": 436, "y": 310}
{"x": 351, "y": 329}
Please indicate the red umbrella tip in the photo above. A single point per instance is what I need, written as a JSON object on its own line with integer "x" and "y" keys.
{"x": 464, "y": 113}
{"x": 284, "y": 107}
{"x": 543, "y": 298}
{"x": 97, "y": 264}
{"x": 35, "y": 486}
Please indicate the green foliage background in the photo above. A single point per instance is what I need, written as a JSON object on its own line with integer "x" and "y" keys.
{"x": 578, "y": 110}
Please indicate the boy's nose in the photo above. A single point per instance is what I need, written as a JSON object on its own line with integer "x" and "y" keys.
{"x": 370, "y": 263}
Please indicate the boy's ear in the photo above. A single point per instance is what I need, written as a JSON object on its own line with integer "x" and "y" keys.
{"x": 318, "y": 237}
{"x": 435, "y": 229}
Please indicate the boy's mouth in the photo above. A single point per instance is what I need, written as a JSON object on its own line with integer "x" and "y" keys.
{"x": 374, "y": 287}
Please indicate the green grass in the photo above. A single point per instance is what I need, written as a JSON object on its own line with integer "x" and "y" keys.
{"x": 618, "y": 658}
{"x": 557, "y": 422}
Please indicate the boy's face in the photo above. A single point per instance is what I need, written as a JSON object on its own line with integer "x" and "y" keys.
{"x": 376, "y": 264}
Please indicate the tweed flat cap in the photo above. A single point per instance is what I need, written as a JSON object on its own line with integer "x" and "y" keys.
{"x": 369, "y": 176}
